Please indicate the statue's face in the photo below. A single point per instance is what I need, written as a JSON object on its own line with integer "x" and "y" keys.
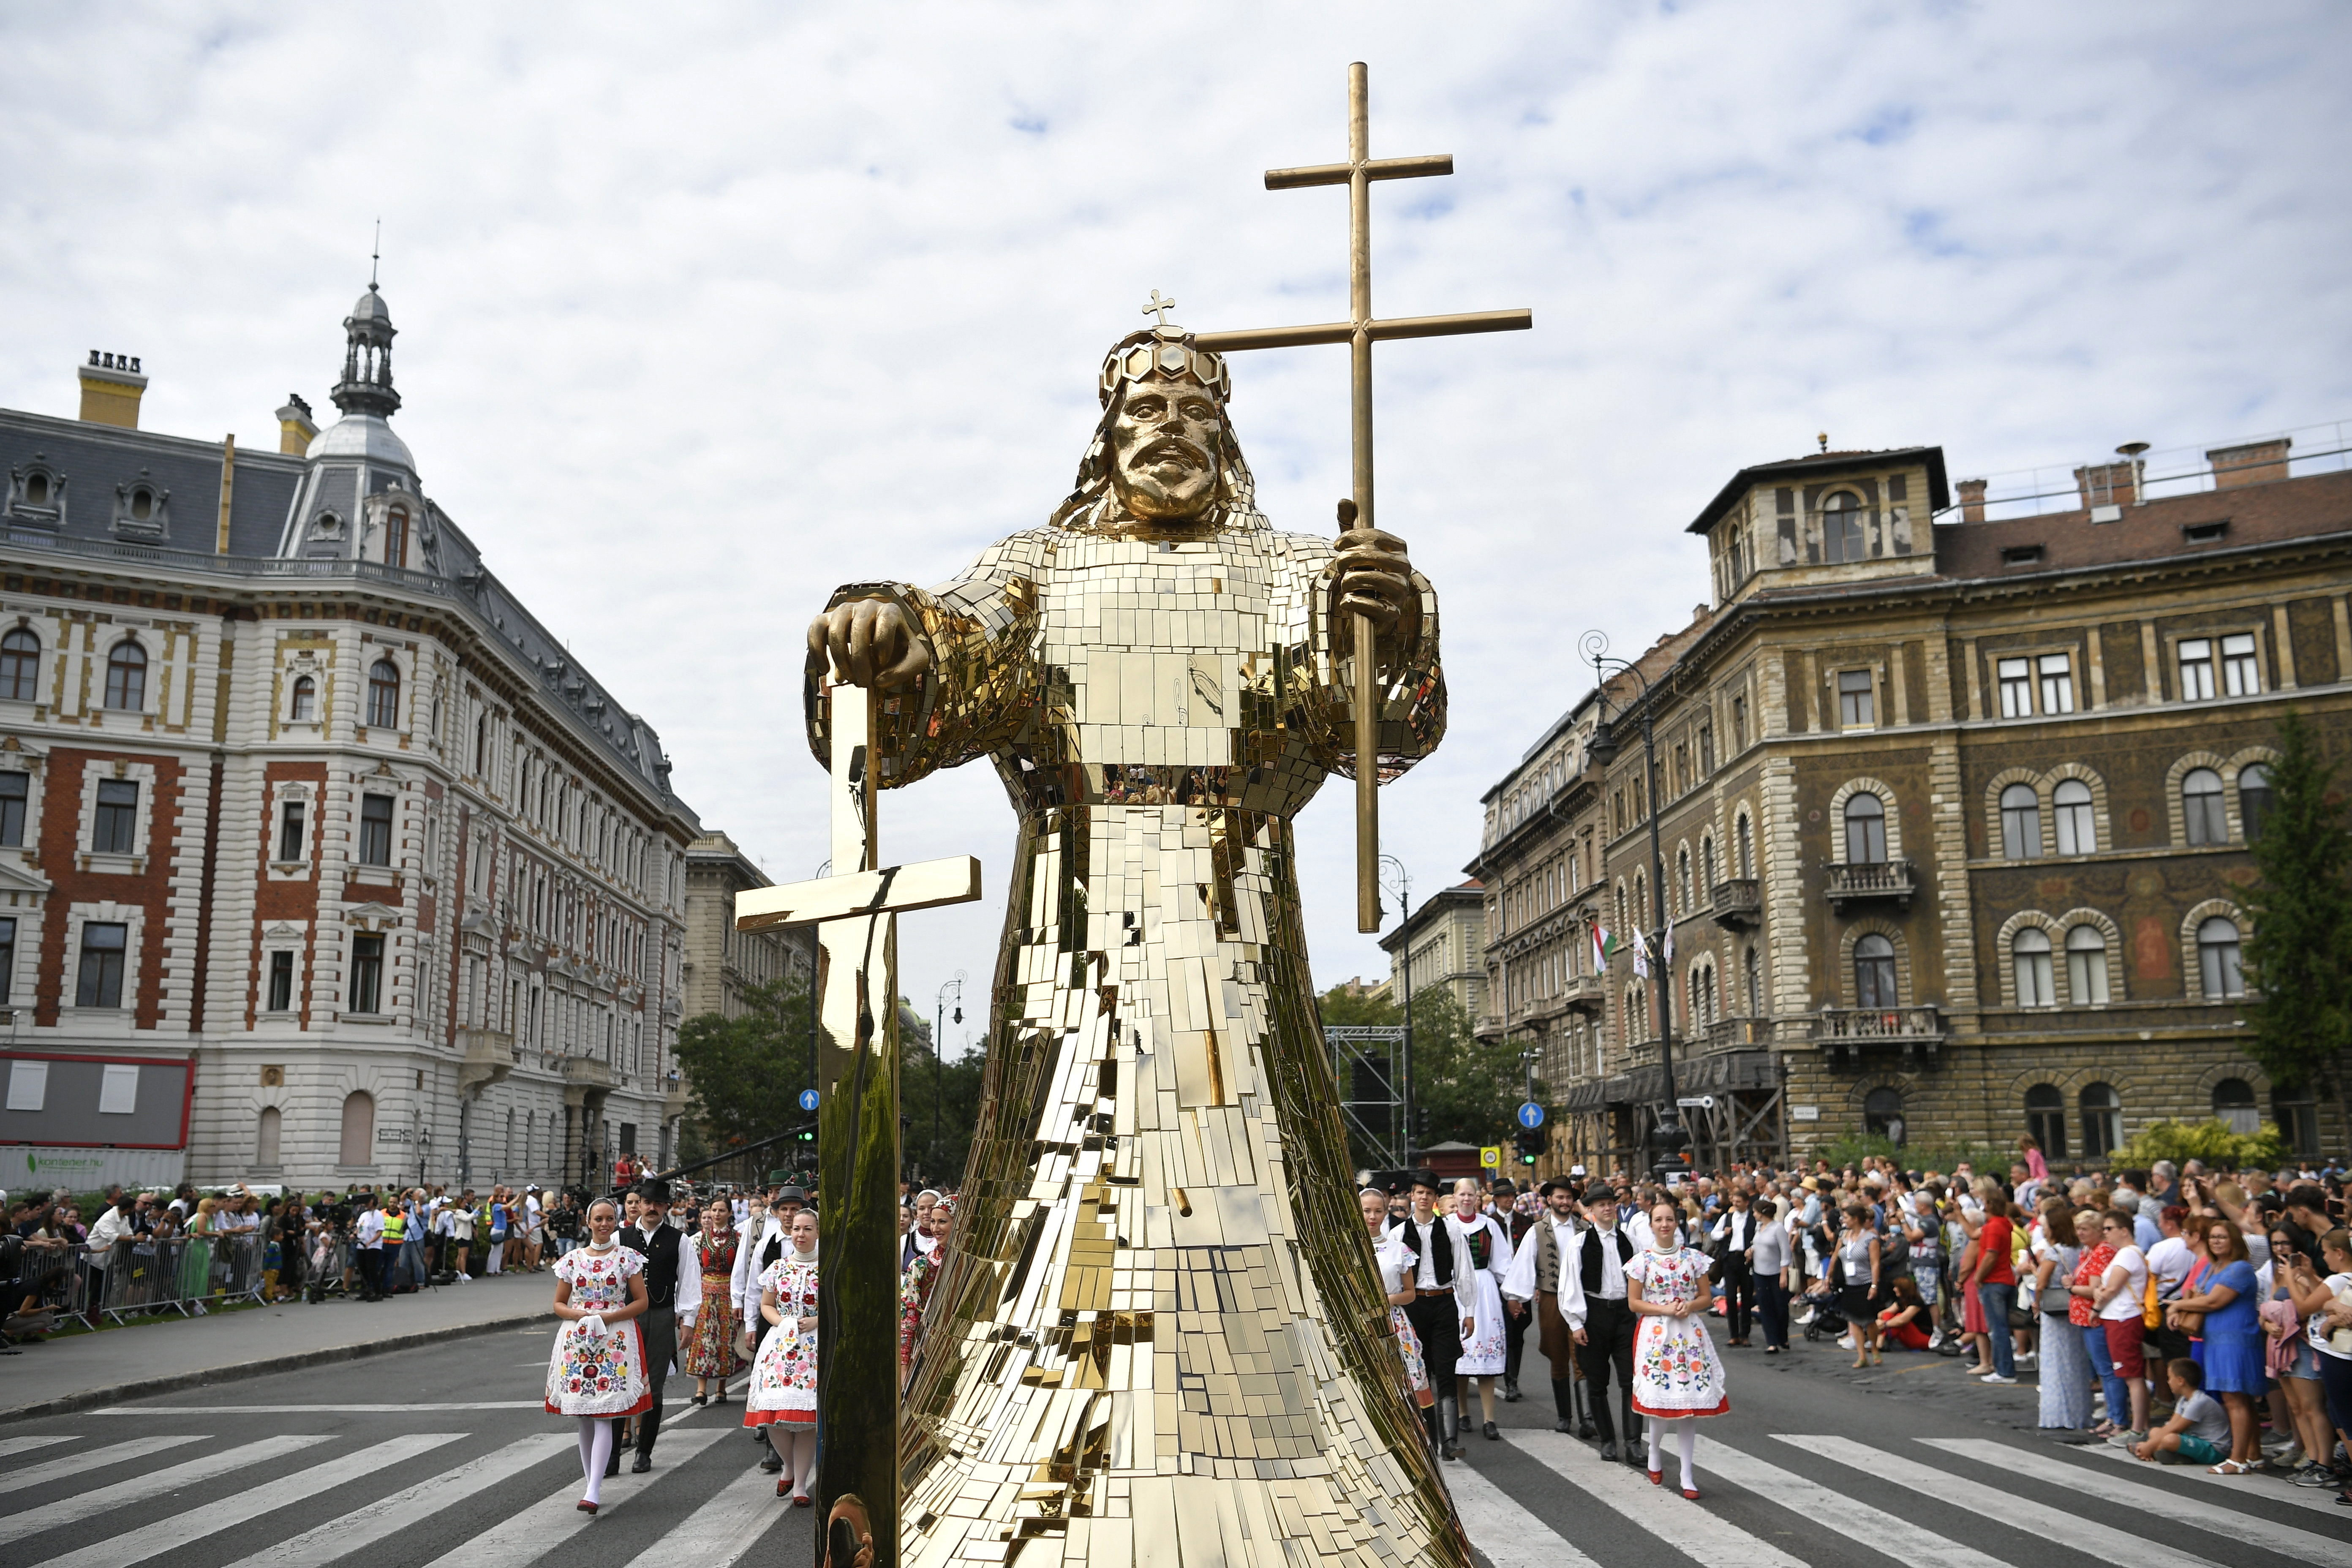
{"x": 1167, "y": 445}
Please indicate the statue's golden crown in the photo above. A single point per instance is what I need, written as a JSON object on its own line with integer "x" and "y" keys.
{"x": 1166, "y": 354}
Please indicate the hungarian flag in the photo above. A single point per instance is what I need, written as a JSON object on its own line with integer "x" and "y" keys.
{"x": 1604, "y": 947}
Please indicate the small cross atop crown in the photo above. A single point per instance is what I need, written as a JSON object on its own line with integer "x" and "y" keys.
{"x": 1159, "y": 308}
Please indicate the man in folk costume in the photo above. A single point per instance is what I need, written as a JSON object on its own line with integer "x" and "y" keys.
{"x": 673, "y": 1295}
{"x": 1535, "y": 1278}
{"x": 1593, "y": 1298}
{"x": 1445, "y": 1292}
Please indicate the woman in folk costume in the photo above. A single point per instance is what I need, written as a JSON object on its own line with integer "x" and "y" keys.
{"x": 915, "y": 1280}
{"x": 1396, "y": 1282}
{"x": 709, "y": 1350}
{"x": 597, "y": 1371}
{"x": 784, "y": 1379}
{"x": 1677, "y": 1376}
{"x": 1486, "y": 1338}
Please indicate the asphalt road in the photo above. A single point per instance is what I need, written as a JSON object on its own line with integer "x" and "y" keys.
{"x": 444, "y": 1457}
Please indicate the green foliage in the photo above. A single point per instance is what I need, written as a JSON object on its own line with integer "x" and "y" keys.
{"x": 745, "y": 1074}
{"x": 2299, "y": 953}
{"x": 1853, "y": 1146}
{"x": 941, "y": 1104}
{"x": 1470, "y": 1087}
{"x": 2212, "y": 1141}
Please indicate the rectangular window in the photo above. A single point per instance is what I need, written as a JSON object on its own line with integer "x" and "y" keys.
{"x": 2057, "y": 672}
{"x": 1854, "y": 705}
{"x": 28, "y": 1085}
{"x": 2195, "y": 668}
{"x": 8, "y": 959}
{"x": 1739, "y": 723}
{"x": 14, "y": 790}
{"x": 367, "y": 973}
{"x": 2240, "y": 676}
{"x": 375, "y": 830}
{"x": 117, "y": 1089}
{"x": 2016, "y": 688}
{"x": 282, "y": 983}
{"x": 115, "y": 829}
{"x": 1706, "y": 749}
{"x": 292, "y": 836}
{"x": 99, "y": 983}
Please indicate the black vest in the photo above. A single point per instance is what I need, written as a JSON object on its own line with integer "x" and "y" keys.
{"x": 1413, "y": 1233}
{"x": 1588, "y": 1257}
{"x": 658, "y": 1248}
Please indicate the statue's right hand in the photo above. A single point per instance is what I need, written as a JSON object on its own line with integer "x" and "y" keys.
{"x": 870, "y": 642}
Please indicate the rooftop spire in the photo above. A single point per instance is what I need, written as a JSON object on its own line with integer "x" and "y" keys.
{"x": 366, "y": 386}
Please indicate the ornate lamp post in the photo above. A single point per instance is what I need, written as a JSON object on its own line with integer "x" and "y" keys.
{"x": 939, "y": 1060}
{"x": 1671, "y": 1140}
{"x": 1404, "y": 985}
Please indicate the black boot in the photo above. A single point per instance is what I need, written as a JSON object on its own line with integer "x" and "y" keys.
{"x": 1563, "y": 1394}
{"x": 1449, "y": 1427}
{"x": 1510, "y": 1391}
{"x": 1598, "y": 1412}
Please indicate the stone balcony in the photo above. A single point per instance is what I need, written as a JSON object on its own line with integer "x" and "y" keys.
{"x": 1739, "y": 903}
{"x": 485, "y": 1057}
{"x": 1852, "y": 1030}
{"x": 1847, "y": 883}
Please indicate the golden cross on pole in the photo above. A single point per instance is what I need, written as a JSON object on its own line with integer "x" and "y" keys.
{"x": 1359, "y": 332}
{"x": 1159, "y": 307}
{"x": 855, "y": 914}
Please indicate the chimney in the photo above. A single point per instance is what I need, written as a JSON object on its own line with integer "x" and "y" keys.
{"x": 295, "y": 428}
{"x": 1972, "y": 499}
{"x": 2107, "y": 489}
{"x": 2255, "y": 463}
{"x": 110, "y": 389}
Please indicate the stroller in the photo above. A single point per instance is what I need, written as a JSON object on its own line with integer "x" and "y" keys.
{"x": 1828, "y": 1322}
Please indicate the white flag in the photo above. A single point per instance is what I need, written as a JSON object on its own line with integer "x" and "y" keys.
{"x": 1670, "y": 943}
{"x": 1641, "y": 953}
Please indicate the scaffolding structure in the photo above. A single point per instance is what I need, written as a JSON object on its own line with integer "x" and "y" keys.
{"x": 1366, "y": 1062}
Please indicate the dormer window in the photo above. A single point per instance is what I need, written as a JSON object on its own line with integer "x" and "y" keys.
{"x": 36, "y": 493}
{"x": 2205, "y": 532}
{"x": 2021, "y": 555}
{"x": 140, "y": 508}
{"x": 1843, "y": 538}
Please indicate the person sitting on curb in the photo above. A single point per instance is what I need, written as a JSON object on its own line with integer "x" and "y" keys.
{"x": 2198, "y": 1431}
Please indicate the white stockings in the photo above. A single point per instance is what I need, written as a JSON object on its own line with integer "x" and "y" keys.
{"x": 1686, "y": 1428}
{"x": 801, "y": 1462}
{"x": 595, "y": 1453}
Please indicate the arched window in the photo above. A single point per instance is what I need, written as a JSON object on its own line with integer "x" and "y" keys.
{"x": 20, "y": 665}
{"x": 2103, "y": 1120}
{"x": 1683, "y": 883}
{"x": 1746, "y": 848}
{"x": 1882, "y": 1114}
{"x": 265, "y": 1138}
{"x": 1708, "y": 878}
{"x": 1706, "y": 1000}
{"x": 2200, "y": 807}
{"x": 2030, "y": 957}
{"x": 2021, "y": 822}
{"x": 126, "y": 676}
{"x": 1866, "y": 829}
{"x": 359, "y": 1130}
{"x": 1874, "y": 972}
{"x": 383, "y": 695}
{"x": 2254, "y": 796}
{"x": 396, "y": 537}
{"x": 2086, "y": 966}
{"x": 2233, "y": 1104}
{"x": 481, "y": 741}
{"x": 2219, "y": 960}
{"x": 1641, "y": 899}
{"x": 304, "y": 708}
{"x": 1755, "y": 986}
{"x": 2072, "y": 804}
{"x": 2045, "y": 1119}
{"x": 1842, "y": 528}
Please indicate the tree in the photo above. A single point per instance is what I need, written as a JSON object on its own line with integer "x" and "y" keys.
{"x": 746, "y": 1073}
{"x": 2299, "y": 955}
{"x": 1467, "y": 1086}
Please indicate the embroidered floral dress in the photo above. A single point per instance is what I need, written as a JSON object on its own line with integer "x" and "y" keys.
{"x": 1484, "y": 1349}
{"x": 783, "y": 1378}
{"x": 598, "y": 1374}
{"x": 709, "y": 1350}
{"x": 1676, "y": 1370}
{"x": 915, "y": 1284}
{"x": 1396, "y": 1267}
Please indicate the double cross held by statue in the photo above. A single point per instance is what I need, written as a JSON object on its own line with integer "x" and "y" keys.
{"x": 1162, "y": 682}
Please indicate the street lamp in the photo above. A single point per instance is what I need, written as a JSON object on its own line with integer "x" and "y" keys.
{"x": 822, "y": 871}
{"x": 939, "y": 1060}
{"x": 1672, "y": 1138}
{"x": 1404, "y": 984}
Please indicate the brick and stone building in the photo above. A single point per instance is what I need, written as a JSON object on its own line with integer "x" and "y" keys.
{"x": 723, "y": 965}
{"x": 323, "y": 859}
{"x": 1446, "y": 939}
{"x": 1954, "y": 808}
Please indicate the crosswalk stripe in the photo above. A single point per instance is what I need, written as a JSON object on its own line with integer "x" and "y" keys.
{"x": 143, "y": 1491}
{"x": 388, "y": 1516}
{"x": 2312, "y": 1497}
{"x": 1509, "y": 1535}
{"x": 2100, "y": 1539}
{"x": 86, "y": 1463}
{"x": 2306, "y": 1545}
{"x": 1706, "y": 1538}
{"x": 534, "y": 1531}
{"x": 1888, "y": 1534}
{"x": 227, "y": 1513}
{"x": 719, "y": 1532}
{"x": 19, "y": 1445}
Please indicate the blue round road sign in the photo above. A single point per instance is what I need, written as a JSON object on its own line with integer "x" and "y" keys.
{"x": 1531, "y": 1115}
{"x": 808, "y": 1100}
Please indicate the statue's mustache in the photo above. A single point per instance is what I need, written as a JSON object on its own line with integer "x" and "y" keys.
{"x": 1166, "y": 447}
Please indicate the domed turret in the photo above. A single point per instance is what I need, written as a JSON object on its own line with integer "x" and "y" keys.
{"x": 366, "y": 386}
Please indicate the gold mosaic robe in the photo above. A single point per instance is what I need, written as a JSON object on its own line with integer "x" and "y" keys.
{"x": 1161, "y": 1341}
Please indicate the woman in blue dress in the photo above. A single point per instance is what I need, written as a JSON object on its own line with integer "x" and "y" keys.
{"x": 2233, "y": 1340}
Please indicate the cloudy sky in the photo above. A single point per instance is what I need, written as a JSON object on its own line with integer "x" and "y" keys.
{"x": 706, "y": 308}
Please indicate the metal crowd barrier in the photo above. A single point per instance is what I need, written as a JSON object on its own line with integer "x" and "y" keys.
{"x": 142, "y": 1276}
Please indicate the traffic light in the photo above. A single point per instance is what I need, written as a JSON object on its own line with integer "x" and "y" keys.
{"x": 1532, "y": 1141}
{"x": 1421, "y": 1123}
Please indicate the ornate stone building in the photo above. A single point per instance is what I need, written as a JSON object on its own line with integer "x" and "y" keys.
{"x": 721, "y": 962}
{"x": 1447, "y": 939}
{"x": 1954, "y": 810}
{"x": 323, "y": 860}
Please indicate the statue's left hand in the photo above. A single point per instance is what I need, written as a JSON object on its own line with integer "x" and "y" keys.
{"x": 870, "y": 642}
{"x": 1375, "y": 580}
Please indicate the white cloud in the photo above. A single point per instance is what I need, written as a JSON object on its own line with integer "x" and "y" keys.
{"x": 707, "y": 309}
